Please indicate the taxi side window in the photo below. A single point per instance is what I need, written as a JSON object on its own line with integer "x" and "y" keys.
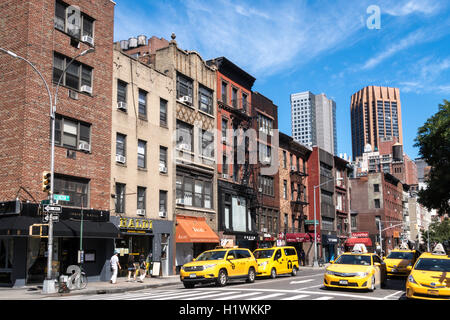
{"x": 232, "y": 253}
{"x": 277, "y": 255}
{"x": 376, "y": 259}
{"x": 243, "y": 254}
{"x": 289, "y": 252}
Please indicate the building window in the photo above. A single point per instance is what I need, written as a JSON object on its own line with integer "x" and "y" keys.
{"x": 224, "y": 92}
{"x": 377, "y": 203}
{"x": 265, "y": 124}
{"x": 142, "y": 103}
{"x": 121, "y": 146}
{"x": 78, "y": 76}
{"x": 142, "y": 154}
{"x": 120, "y": 198}
{"x": 163, "y": 159}
{"x": 265, "y": 153}
{"x": 162, "y": 203}
{"x": 205, "y": 102}
{"x": 285, "y": 193}
{"x": 376, "y": 187}
{"x": 244, "y": 101}
{"x": 194, "y": 192}
{"x": 75, "y": 23}
{"x": 266, "y": 185}
{"x": 72, "y": 133}
{"x": 234, "y": 97}
{"x": 224, "y": 130}
{"x": 206, "y": 143}
{"x": 76, "y": 188}
{"x": 141, "y": 196}
{"x": 162, "y": 112}
{"x": 185, "y": 136}
{"x": 284, "y": 159}
{"x": 121, "y": 91}
{"x": 184, "y": 88}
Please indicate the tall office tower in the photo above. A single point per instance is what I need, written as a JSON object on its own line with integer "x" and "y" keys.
{"x": 375, "y": 114}
{"x": 314, "y": 120}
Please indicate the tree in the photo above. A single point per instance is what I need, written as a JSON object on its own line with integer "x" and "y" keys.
{"x": 438, "y": 232}
{"x": 433, "y": 140}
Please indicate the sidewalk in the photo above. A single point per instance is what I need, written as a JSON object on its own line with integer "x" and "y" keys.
{"x": 34, "y": 292}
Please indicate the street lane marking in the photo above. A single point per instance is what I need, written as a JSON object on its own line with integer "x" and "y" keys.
{"x": 394, "y": 294}
{"x": 324, "y": 298}
{"x": 299, "y": 296}
{"x": 301, "y": 281}
{"x": 215, "y": 296}
{"x": 242, "y": 295}
{"x": 181, "y": 295}
{"x": 268, "y": 296}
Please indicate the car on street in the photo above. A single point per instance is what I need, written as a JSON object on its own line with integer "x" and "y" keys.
{"x": 356, "y": 270}
{"x": 219, "y": 266}
{"x": 398, "y": 261}
{"x": 275, "y": 261}
{"x": 429, "y": 278}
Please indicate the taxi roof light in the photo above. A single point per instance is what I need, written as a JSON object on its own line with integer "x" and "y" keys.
{"x": 404, "y": 246}
{"x": 439, "y": 250}
{"x": 359, "y": 248}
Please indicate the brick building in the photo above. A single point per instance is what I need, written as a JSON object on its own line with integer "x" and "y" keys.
{"x": 236, "y": 176}
{"x": 265, "y": 123}
{"x": 377, "y": 200}
{"x": 293, "y": 158}
{"x": 49, "y": 33}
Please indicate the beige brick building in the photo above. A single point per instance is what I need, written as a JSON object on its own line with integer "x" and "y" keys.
{"x": 142, "y": 173}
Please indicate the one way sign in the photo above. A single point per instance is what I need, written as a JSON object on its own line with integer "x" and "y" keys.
{"x": 55, "y": 209}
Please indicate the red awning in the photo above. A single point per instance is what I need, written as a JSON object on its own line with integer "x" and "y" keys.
{"x": 352, "y": 241}
{"x": 297, "y": 237}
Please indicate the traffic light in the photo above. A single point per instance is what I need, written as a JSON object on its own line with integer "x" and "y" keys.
{"x": 46, "y": 175}
{"x": 39, "y": 230}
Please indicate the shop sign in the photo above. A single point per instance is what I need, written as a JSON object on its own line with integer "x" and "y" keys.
{"x": 250, "y": 238}
{"x": 136, "y": 224}
{"x": 360, "y": 234}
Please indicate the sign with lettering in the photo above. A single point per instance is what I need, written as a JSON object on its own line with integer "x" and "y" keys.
{"x": 136, "y": 224}
{"x": 360, "y": 234}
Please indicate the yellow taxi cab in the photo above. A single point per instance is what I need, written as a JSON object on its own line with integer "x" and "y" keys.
{"x": 398, "y": 260}
{"x": 219, "y": 266}
{"x": 276, "y": 260}
{"x": 429, "y": 279}
{"x": 356, "y": 270}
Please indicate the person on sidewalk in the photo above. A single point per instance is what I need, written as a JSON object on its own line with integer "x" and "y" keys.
{"x": 142, "y": 265}
{"x": 131, "y": 268}
{"x": 115, "y": 267}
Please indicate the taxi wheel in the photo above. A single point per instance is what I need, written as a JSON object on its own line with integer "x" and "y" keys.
{"x": 294, "y": 271}
{"x": 188, "y": 285}
{"x": 273, "y": 273}
{"x": 222, "y": 278}
{"x": 372, "y": 284}
{"x": 251, "y": 275}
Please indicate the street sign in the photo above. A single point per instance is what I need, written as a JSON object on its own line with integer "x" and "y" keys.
{"x": 53, "y": 208}
{"x": 311, "y": 222}
{"x": 61, "y": 197}
{"x": 55, "y": 218}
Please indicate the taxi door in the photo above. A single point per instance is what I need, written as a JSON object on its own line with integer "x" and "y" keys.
{"x": 380, "y": 270}
{"x": 232, "y": 264}
{"x": 279, "y": 261}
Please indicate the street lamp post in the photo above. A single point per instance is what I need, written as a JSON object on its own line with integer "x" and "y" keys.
{"x": 49, "y": 285}
{"x": 315, "y": 262}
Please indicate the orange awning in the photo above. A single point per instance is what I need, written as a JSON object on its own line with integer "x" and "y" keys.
{"x": 194, "y": 229}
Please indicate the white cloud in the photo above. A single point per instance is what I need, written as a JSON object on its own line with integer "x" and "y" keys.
{"x": 404, "y": 8}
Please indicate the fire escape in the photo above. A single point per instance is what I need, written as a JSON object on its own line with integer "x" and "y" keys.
{"x": 300, "y": 201}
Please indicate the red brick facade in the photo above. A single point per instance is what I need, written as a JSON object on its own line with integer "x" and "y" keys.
{"x": 28, "y": 30}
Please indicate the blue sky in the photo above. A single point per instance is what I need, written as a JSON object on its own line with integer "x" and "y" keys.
{"x": 323, "y": 46}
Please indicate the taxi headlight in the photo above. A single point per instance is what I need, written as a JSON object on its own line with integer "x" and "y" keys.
{"x": 331, "y": 273}
{"x": 411, "y": 279}
{"x": 207, "y": 266}
{"x": 362, "y": 274}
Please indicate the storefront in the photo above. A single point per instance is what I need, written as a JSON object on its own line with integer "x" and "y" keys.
{"x": 147, "y": 237}
{"x": 23, "y": 258}
{"x": 329, "y": 245}
{"x": 193, "y": 236}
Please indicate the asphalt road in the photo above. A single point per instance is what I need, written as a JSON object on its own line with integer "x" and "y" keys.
{"x": 307, "y": 285}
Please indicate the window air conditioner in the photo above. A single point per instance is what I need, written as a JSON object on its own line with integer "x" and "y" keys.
{"x": 121, "y": 105}
{"x": 120, "y": 158}
{"x": 84, "y": 146}
{"x": 88, "y": 39}
{"x": 162, "y": 214}
{"x": 293, "y": 168}
{"x": 87, "y": 89}
{"x": 186, "y": 99}
{"x": 225, "y": 176}
{"x": 224, "y": 139}
{"x": 162, "y": 168}
{"x": 140, "y": 212}
{"x": 266, "y": 160}
{"x": 259, "y": 189}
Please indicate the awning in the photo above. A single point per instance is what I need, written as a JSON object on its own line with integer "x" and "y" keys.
{"x": 19, "y": 226}
{"x": 91, "y": 229}
{"x": 352, "y": 241}
{"x": 194, "y": 229}
{"x": 297, "y": 237}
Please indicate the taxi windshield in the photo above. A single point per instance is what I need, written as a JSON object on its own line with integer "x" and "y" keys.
{"x": 354, "y": 259}
{"x": 263, "y": 254}
{"x": 429, "y": 264}
{"x": 400, "y": 255}
{"x": 211, "y": 255}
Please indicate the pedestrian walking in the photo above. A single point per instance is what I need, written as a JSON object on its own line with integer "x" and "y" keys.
{"x": 115, "y": 266}
{"x": 131, "y": 268}
{"x": 142, "y": 269}
{"x": 302, "y": 257}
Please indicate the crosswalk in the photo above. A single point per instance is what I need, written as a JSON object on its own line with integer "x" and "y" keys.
{"x": 200, "y": 294}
